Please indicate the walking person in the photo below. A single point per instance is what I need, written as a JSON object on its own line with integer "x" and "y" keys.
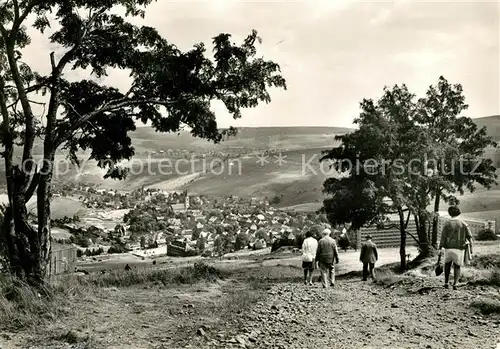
{"x": 368, "y": 256}
{"x": 456, "y": 241}
{"x": 344, "y": 240}
{"x": 326, "y": 257}
{"x": 309, "y": 248}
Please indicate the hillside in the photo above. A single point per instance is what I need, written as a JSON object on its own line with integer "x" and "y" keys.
{"x": 180, "y": 161}
{"x": 492, "y": 124}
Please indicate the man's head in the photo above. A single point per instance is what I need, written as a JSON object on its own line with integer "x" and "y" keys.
{"x": 310, "y": 233}
{"x": 327, "y": 232}
{"x": 454, "y": 211}
{"x": 368, "y": 237}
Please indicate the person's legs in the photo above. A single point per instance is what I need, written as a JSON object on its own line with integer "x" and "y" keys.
{"x": 310, "y": 279}
{"x": 332, "y": 275}
{"x": 365, "y": 271}
{"x": 372, "y": 270}
{"x": 306, "y": 270}
{"x": 324, "y": 275}
{"x": 447, "y": 270}
{"x": 456, "y": 275}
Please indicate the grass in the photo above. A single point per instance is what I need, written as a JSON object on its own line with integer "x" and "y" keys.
{"x": 22, "y": 306}
{"x": 178, "y": 276}
{"x": 487, "y": 306}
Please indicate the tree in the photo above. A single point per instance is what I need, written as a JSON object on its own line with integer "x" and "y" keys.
{"x": 196, "y": 234}
{"x": 375, "y": 160}
{"x": 170, "y": 89}
{"x": 200, "y": 244}
{"x": 242, "y": 241}
{"x": 401, "y": 162}
{"x": 458, "y": 146}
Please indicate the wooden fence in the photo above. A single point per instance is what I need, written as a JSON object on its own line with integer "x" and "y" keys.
{"x": 63, "y": 259}
{"x": 392, "y": 237}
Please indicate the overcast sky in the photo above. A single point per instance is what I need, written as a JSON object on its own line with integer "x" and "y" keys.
{"x": 334, "y": 53}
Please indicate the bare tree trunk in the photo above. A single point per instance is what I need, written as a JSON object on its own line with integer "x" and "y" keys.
{"x": 43, "y": 210}
{"x": 24, "y": 252}
{"x": 421, "y": 221}
{"x": 435, "y": 221}
{"x": 402, "y": 245}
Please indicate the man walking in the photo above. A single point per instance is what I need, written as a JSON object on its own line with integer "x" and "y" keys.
{"x": 456, "y": 238}
{"x": 327, "y": 256}
{"x": 309, "y": 248}
{"x": 368, "y": 256}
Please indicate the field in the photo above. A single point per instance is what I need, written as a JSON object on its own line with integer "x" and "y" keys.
{"x": 297, "y": 180}
{"x": 260, "y": 302}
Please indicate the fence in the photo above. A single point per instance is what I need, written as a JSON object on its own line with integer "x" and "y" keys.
{"x": 388, "y": 237}
{"x": 392, "y": 237}
{"x": 63, "y": 259}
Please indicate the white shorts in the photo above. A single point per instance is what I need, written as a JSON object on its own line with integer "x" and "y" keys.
{"x": 454, "y": 255}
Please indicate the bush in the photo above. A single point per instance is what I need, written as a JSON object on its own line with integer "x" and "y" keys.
{"x": 486, "y": 261}
{"x": 275, "y": 200}
{"x": 486, "y": 235}
{"x": 179, "y": 276}
{"x": 487, "y": 306}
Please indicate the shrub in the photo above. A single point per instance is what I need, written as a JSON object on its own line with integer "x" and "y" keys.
{"x": 487, "y": 306}
{"x": 186, "y": 276}
{"x": 275, "y": 200}
{"x": 486, "y": 261}
{"x": 486, "y": 235}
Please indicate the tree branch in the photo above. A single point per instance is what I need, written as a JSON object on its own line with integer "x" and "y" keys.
{"x": 114, "y": 105}
{"x": 414, "y": 238}
{"x": 19, "y": 18}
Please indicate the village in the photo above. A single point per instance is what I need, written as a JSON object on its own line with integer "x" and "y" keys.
{"x": 151, "y": 223}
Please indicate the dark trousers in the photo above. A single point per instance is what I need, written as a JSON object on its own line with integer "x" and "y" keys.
{"x": 368, "y": 269}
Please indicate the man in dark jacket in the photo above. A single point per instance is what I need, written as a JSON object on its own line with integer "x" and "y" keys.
{"x": 327, "y": 256}
{"x": 368, "y": 257}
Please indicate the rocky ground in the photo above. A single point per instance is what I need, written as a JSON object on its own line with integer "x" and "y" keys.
{"x": 355, "y": 314}
{"x": 267, "y": 306}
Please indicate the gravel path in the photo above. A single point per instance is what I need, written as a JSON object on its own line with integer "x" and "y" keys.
{"x": 358, "y": 314}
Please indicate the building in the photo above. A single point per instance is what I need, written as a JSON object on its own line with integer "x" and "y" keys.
{"x": 63, "y": 258}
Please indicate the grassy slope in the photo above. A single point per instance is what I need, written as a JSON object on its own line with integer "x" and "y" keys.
{"x": 287, "y": 180}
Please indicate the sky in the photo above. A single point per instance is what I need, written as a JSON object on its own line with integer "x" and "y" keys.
{"x": 335, "y": 53}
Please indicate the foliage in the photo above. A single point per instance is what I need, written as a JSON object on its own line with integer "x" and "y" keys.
{"x": 94, "y": 252}
{"x": 456, "y": 144}
{"x": 486, "y": 235}
{"x": 117, "y": 248}
{"x": 487, "y": 306}
{"x": 404, "y": 152}
{"x": 200, "y": 244}
{"x": 242, "y": 241}
{"x": 169, "y": 89}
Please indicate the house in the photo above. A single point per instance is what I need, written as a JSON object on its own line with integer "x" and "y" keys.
{"x": 134, "y": 246}
{"x": 63, "y": 258}
{"x": 177, "y": 248}
{"x": 174, "y": 221}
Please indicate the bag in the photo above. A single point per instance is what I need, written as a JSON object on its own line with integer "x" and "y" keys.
{"x": 439, "y": 266}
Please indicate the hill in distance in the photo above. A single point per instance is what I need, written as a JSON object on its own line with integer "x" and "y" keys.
{"x": 492, "y": 124}
{"x": 296, "y": 179}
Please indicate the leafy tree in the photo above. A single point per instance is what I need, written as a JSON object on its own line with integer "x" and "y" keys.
{"x": 196, "y": 234}
{"x": 261, "y": 235}
{"x": 242, "y": 240}
{"x": 457, "y": 158}
{"x": 170, "y": 88}
{"x": 375, "y": 159}
{"x": 391, "y": 152}
{"x": 200, "y": 244}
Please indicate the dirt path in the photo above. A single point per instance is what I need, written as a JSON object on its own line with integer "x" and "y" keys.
{"x": 358, "y": 314}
